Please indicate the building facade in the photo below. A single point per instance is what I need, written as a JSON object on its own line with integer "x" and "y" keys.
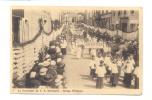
{"x": 27, "y": 23}
{"x": 124, "y": 20}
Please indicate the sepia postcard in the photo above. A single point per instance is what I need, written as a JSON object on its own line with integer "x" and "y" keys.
{"x": 76, "y": 50}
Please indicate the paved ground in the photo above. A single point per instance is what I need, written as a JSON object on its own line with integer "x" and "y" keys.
{"x": 77, "y": 73}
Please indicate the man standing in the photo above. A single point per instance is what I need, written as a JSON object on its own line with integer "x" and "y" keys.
{"x": 100, "y": 71}
{"x": 114, "y": 76}
{"x": 128, "y": 73}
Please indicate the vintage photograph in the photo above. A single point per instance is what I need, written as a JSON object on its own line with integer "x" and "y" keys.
{"x": 76, "y": 50}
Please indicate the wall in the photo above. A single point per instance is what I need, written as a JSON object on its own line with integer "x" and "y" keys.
{"x": 30, "y": 29}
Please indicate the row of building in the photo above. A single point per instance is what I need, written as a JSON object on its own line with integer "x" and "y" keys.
{"x": 124, "y": 20}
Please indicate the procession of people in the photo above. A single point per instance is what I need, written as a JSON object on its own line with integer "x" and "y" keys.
{"x": 113, "y": 60}
{"x": 112, "y": 71}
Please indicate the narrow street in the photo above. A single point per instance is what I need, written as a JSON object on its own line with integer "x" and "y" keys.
{"x": 77, "y": 70}
{"x": 77, "y": 73}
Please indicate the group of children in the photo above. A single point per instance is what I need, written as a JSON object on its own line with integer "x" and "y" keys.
{"x": 112, "y": 65}
{"x": 114, "y": 70}
{"x": 106, "y": 64}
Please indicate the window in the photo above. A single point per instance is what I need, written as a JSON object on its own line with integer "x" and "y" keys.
{"x": 132, "y": 27}
{"x": 113, "y": 13}
{"x": 18, "y": 12}
{"x": 119, "y": 13}
{"x": 106, "y": 11}
{"x": 15, "y": 30}
{"x": 132, "y": 12}
{"x": 113, "y": 27}
{"x": 125, "y": 12}
{"x": 17, "y": 15}
{"x": 102, "y": 11}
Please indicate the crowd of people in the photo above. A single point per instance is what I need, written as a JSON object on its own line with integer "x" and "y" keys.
{"x": 48, "y": 70}
{"x": 112, "y": 62}
{"x": 115, "y": 59}
{"x": 114, "y": 70}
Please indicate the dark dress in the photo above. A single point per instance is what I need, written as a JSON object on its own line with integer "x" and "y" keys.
{"x": 114, "y": 79}
{"x": 127, "y": 79}
{"x": 99, "y": 82}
